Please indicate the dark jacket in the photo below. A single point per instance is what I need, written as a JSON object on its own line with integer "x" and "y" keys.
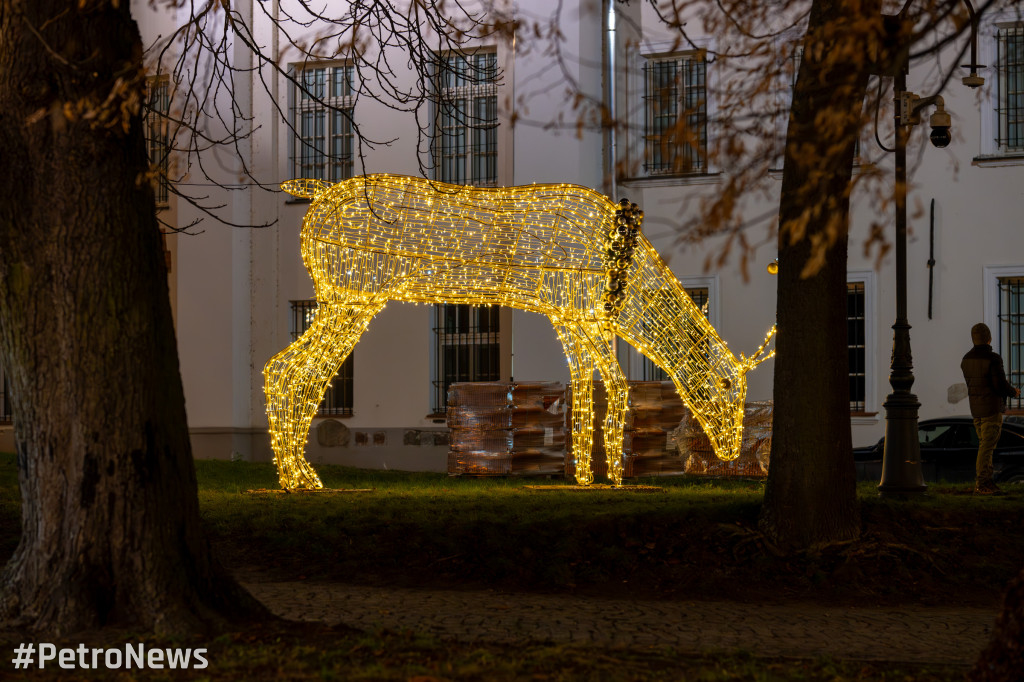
{"x": 986, "y": 381}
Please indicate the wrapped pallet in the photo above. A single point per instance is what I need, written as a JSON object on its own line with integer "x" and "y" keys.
{"x": 699, "y": 457}
{"x": 506, "y": 429}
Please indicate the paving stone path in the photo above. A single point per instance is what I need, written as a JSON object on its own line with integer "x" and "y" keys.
{"x": 912, "y": 634}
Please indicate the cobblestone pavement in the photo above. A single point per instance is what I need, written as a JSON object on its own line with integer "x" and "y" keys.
{"x": 910, "y": 633}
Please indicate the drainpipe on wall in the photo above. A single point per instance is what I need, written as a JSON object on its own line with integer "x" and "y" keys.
{"x": 609, "y": 98}
{"x": 621, "y": 350}
{"x": 242, "y": 252}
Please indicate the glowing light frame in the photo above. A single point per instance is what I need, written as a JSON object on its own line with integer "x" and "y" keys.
{"x": 563, "y": 251}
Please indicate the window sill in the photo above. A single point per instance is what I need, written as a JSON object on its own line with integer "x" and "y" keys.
{"x": 292, "y": 199}
{"x": 673, "y": 180}
{"x": 998, "y": 160}
{"x": 858, "y": 169}
{"x": 863, "y": 418}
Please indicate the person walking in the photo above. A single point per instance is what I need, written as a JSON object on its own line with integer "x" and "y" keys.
{"x": 987, "y": 389}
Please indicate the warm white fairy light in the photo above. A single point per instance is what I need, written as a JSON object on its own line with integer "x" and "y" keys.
{"x": 564, "y": 251}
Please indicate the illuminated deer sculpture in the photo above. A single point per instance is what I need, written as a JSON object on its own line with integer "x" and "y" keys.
{"x": 564, "y": 251}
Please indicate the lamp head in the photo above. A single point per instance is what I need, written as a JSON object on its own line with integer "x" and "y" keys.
{"x": 973, "y": 81}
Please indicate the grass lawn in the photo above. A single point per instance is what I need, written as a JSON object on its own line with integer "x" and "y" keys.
{"x": 693, "y": 539}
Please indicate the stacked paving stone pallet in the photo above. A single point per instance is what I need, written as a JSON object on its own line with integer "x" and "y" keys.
{"x": 699, "y": 458}
{"x": 501, "y": 429}
{"x": 655, "y": 411}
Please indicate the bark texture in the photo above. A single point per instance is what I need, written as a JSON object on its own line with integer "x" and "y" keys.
{"x": 810, "y": 495}
{"x": 110, "y": 525}
{"x": 1003, "y": 659}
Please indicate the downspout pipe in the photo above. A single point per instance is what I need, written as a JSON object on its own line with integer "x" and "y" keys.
{"x": 609, "y": 99}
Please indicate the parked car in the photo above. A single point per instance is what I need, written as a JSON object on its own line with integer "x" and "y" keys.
{"x": 949, "y": 449}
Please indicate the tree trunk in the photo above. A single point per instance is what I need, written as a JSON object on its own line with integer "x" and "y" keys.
{"x": 110, "y": 521}
{"x": 1003, "y": 658}
{"x": 810, "y": 495}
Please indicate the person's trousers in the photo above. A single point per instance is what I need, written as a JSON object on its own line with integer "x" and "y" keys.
{"x": 988, "y": 429}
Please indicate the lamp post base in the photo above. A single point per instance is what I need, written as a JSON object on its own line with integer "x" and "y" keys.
{"x": 901, "y": 459}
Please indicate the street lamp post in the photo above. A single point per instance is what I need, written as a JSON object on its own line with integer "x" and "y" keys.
{"x": 901, "y": 458}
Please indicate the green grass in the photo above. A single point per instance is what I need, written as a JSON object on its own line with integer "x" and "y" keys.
{"x": 695, "y": 536}
{"x": 695, "y": 539}
{"x": 428, "y": 528}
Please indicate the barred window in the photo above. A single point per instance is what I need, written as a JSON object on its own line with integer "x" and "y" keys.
{"x": 465, "y": 152}
{"x": 465, "y": 143}
{"x": 338, "y": 399}
{"x": 468, "y": 347}
{"x": 649, "y": 371}
{"x": 856, "y": 343}
{"x": 1011, "y": 332}
{"x": 157, "y": 133}
{"x": 1010, "y": 87}
{"x": 323, "y": 107}
{"x": 675, "y": 106}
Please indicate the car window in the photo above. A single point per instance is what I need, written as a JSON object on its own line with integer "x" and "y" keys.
{"x": 932, "y": 435}
{"x": 961, "y": 436}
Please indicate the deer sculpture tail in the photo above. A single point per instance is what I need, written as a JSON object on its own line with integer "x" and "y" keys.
{"x": 305, "y": 188}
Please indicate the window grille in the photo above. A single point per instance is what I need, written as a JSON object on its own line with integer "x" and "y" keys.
{"x": 468, "y": 347}
{"x": 856, "y": 342}
{"x": 324, "y": 101}
{"x": 675, "y": 105}
{"x": 650, "y": 371}
{"x": 1010, "y": 84}
{"x": 338, "y": 399}
{"x": 1011, "y": 332}
{"x": 465, "y": 146}
{"x": 465, "y": 152}
{"x": 157, "y": 133}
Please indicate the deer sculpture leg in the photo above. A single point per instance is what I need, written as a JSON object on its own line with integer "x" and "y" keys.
{"x": 295, "y": 380}
{"x": 618, "y": 399}
{"x": 581, "y": 371}
{"x": 587, "y": 348}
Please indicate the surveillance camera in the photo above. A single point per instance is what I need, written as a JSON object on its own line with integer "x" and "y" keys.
{"x": 940, "y": 123}
{"x": 940, "y": 136}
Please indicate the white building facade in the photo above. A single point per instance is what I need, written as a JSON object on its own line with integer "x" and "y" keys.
{"x": 241, "y": 294}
